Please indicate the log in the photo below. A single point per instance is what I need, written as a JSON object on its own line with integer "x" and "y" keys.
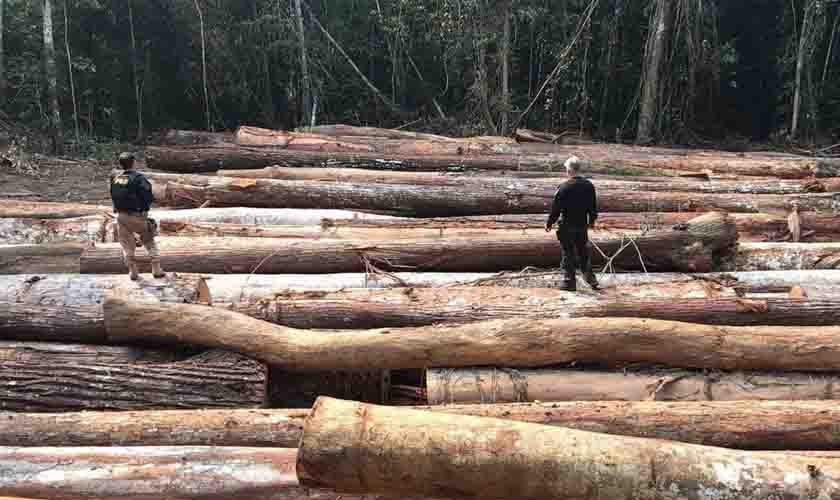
{"x": 49, "y": 258}
{"x": 360, "y": 308}
{"x": 264, "y": 216}
{"x": 146, "y": 472}
{"x": 351, "y": 131}
{"x": 357, "y": 175}
{"x": 38, "y": 231}
{"x": 693, "y": 247}
{"x": 447, "y": 386}
{"x": 49, "y": 379}
{"x": 749, "y": 425}
{"x": 210, "y": 158}
{"x": 176, "y": 137}
{"x": 785, "y": 256}
{"x": 480, "y": 198}
{"x": 48, "y": 210}
{"x": 512, "y": 341}
{"x": 69, "y": 307}
{"x": 526, "y": 135}
{"x": 411, "y": 452}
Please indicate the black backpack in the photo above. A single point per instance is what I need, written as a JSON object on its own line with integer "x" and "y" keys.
{"x": 131, "y": 192}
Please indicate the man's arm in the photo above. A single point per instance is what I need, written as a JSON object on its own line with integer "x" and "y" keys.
{"x": 145, "y": 191}
{"x": 593, "y": 208}
{"x": 556, "y": 207}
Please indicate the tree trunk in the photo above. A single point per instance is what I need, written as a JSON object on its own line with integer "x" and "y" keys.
{"x": 264, "y": 216}
{"x": 692, "y": 247}
{"x": 49, "y": 258}
{"x": 472, "y": 198}
{"x": 750, "y": 425}
{"x": 138, "y": 97}
{"x": 386, "y": 308}
{"x": 802, "y": 46}
{"x": 70, "y": 72}
{"x": 2, "y": 58}
{"x": 526, "y": 135}
{"x": 93, "y": 228}
{"x": 67, "y": 307}
{"x": 176, "y": 137}
{"x": 48, "y": 210}
{"x": 654, "y": 62}
{"x": 506, "y": 385}
{"x": 465, "y": 179}
{"x": 410, "y": 452}
{"x": 41, "y": 381}
{"x": 148, "y": 472}
{"x": 305, "y": 84}
{"x": 349, "y": 130}
{"x": 204, "y": 66}
{"x": 51, "y": 73}
{"x": 234, "y": 427}
{"x": 785, "y": 256}
{"x": 601, "y": 340}
{"x": 504, "y": 56}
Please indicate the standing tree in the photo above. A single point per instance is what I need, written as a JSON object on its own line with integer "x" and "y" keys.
{"x": 504, "y": 55}
{"x": 655, "y": 51}
{"x": 70, "y": 72}
{"x": 52, "y": 80}
{"x": 138, "y": 96}
{"x": 204, "y": 64}
{"x": 2, "y": 62}
{"x": 306, "y": 86}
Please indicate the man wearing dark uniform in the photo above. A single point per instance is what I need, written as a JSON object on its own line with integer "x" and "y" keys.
{"x": 577, "y": 203}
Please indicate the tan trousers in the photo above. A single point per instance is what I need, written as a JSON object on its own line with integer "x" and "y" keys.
{"x": 127, "y": 226}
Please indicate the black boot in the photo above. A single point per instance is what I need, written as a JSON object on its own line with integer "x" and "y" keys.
{"x": 592, "y": 280}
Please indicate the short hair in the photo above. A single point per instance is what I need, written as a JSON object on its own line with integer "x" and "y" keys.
{"x": 573, "y": 164}
{"x": 126, "y": 159}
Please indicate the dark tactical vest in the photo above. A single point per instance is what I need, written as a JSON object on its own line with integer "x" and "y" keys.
{"x": 131, "y": 192}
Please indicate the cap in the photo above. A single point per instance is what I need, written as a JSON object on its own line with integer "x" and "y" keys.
{"x": 126, "y": 156}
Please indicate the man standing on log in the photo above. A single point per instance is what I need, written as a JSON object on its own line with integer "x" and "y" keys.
{"x": 131, "y": 194}
{"x": 576, "y": 201}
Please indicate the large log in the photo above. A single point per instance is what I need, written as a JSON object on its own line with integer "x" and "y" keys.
{"x": 38, "y": 231}
{"x": 757, "y": 425}
{"x": 356, "y": 175}
{"x": 50, "y": 379}
{"x": 410, "y": 452}
{"x": 507, "y": 385}
{"x": 69, "y": 307}
{"x": 210, "y": 158}
{"x": 397, "y": 307}
{"x": 147, "y": 472}
{"x": 515, "y": 342}
{"x": 694, "y": 246}
{"x": 48, "y": 258}
{"x": 478, "y": 198}
{"x": 785, "y": 256}
{"x": 351, "y": 131}
{"x": 176, "y": 137}
{"x": 48, "y": 210}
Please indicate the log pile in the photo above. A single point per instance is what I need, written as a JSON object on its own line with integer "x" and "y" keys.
{"x": 410, "y": 269}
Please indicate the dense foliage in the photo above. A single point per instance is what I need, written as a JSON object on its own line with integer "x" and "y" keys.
{"x": 731, "y": 67}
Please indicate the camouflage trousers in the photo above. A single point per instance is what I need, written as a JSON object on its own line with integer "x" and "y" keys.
{"x": 129, "y": 224}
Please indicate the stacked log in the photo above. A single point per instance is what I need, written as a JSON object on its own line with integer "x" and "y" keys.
{"x": 410, "y": 452}
{"x": 48, "y": 210}
{"x": 783, "y": 256}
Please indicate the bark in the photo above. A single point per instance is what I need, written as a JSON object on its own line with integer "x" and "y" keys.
{"x": 69, "y": 72}
{"x": 349, "y": 130}
{"x": 692, "y": 247}
{"x": 511, "y": 341}
{"x": 504, "y": 55}
{"x": 51, "y": 74}
{"x": 264, "y": 216}
{"x": 305, "y": 84}
{"x": 507, "y": 385}
{"x": 785, "y": 256}
{"x": 234, "y": 427}
{"x": 2, "y": 57}
{"x": 38, "y": 381}
{"x": 68, "y": 307}
{"x": 526, "y": 135}
{"x": 204, "y": 65}
{"x": 147, "y": 472}
{"x": 49, "y": 258}
{"x": 37, "y": 231}
{"x": 48, "y": 210}
{"x": 383, "y": 308}
{"x": 138, "y": 97}
{"x": 465, "y": 179}
{"x": 410, "y": 452}
{"x": 176, "y": 137}
{"x": 654, "y": 62}
{"x": 756, "y": 425}
{"x": 802, "y": 48}
{"x": 470, "y": 198}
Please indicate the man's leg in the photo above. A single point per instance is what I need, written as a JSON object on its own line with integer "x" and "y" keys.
{"x": 126, "y": 238}
{"x": 570, "y": 262}
{"x": 585, "y": 258}
{"x": 148, "y": 238}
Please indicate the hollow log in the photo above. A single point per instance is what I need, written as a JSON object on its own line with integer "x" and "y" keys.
{"x": 481, "y": 198}
{"x": 48, "y": 258}
{"x": 398, "y": 307}
{"x": 692, "y": 247}
{"x": 68, "y": 307}
{"x": 756, "y": 425}
{"x": 446, "y": 386}
{"x": 48, "y": 210}
{"x": 210, "y": 158}
{"x": 146, "y": 472}
{"x": 48, "y": 379}
{"x": 510, "y": 341}
{"x": 356, "y": 175}
{"x": 785, "y": 256}
{"x": 403, "y": 451}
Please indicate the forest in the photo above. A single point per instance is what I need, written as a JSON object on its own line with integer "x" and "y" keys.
{"x": 688, "y": 72}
